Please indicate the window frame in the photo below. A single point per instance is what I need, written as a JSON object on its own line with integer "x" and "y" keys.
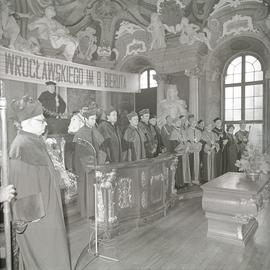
{"x": 148, "y": 78}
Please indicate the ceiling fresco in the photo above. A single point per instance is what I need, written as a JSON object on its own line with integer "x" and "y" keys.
{"x": 104, "y": 32}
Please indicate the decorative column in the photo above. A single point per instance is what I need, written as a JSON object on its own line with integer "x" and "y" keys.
{"x": 161, "y": 79}
{"x": 194, "y": 76}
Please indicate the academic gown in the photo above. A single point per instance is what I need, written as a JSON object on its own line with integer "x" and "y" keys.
{"x": 166, "y": 132}
{"x": 151, "y": 140}
{"x": 230, "y": 154}
{"x": 112, "y": 136}
{"x": 242, "y": 140}
{"x": 48, "y": 101}
{"x": 220, "y": 136}
{"x": 134, "y": 140}
{"x": 41, "y": 235}
{"x": 86, "y": 155}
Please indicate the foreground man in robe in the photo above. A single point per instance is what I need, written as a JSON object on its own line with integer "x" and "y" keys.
{"x": 37, "y": 212}
{"x": 89, "y": 150}
{"x": 112, "y": 136}
{"x": 242, "y": 138}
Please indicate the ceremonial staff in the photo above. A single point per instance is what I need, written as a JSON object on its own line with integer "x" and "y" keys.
{"x": 4, "y": 176}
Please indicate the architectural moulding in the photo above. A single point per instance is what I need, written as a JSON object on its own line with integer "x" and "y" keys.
{"x": 135, "y": 47}
{"x": 231, "y": 4}
{"x": 238, "y": 24}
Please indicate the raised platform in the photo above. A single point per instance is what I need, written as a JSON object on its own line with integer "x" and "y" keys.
{"x": 231, "y": 203}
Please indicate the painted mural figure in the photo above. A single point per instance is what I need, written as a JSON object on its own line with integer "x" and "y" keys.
{"x": 172, "y": 105}
{"x": 157, "y": 29}
{"x": 8, "y": 25}
{"x": 56, "y": 33}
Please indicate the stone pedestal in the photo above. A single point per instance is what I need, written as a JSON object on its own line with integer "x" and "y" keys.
{"x": 231, "y": 203}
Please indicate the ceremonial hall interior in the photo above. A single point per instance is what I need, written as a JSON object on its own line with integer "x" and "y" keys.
{"x": 135, "y": 134}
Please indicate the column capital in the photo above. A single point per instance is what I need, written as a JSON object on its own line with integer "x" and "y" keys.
{"x": 194, "y": 72}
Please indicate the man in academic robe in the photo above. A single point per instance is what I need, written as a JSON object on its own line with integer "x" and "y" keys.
{"x": 242, "y": 138}
{"x": 37, "y": 212}
{"x": 52, "y": 103}
{"x": 134, "y": 140}
{"x": 194, "y": 137}
{"x": 156, "y": 134}
{"x": 148, "y": 130}
{"x": 230, "y": 152}
{"x": 166, "y": 132}
{"x": 89, "y": 151}
{"x": 112, "y": 136}
{"x": 220, "y": 138}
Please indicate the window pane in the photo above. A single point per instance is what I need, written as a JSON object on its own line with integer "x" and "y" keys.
{"x": 258, "y": 76}
{"x": 228, "y": 92}
{"x": 249, "y": 67}
{"x": 249, "y": 102}
{"x": 251, "y": 59}
{"x": 238, "y": 69}
{"x": 229, "y": 79}
{"x": 249, "y": 91}
{"x": 258, "y": 102}
{"x": 258, "y": 90}
{"x": 228, "y": 103}
{"x": 249, "y": 114}
{"x": 153, "y": 82}
{"x": 237, "y": 115}
{"x": 237, "y": 92}
{"x": 237, "y": 103}
{"x": 258, "y": 114}
{"x": 237, "y": 61}
{"x": 143, "y": 80}
{"x": 237, "y": 78}
{"x": 250, "y": 76}
{"x": 228, "y": 115}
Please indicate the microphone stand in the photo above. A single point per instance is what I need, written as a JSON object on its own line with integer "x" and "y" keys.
{"x": 4, "y": 177}
{"x": 96, "y": 253}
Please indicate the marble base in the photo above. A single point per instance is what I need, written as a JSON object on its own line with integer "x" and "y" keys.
{"x": 230, "y": 229}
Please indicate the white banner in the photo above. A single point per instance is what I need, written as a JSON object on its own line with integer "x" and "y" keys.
{"x": 19, "y": 66}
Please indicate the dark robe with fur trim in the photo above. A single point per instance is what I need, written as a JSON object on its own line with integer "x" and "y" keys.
{"x": 134, "y": 141}
{"x": 37, "y": 210}
{"x": 112, "y": 136}
{"x": 91, "y": 152}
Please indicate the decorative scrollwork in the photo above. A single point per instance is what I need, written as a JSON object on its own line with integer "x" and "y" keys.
{"x": 124, "y": 190}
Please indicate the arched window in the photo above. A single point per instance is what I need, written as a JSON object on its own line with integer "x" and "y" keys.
{"x": 243, "y": 92}
{"x": 147, "y": 98}
{"x": 147, "y": 80}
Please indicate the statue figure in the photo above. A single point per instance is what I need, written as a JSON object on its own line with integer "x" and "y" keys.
{"x": 157, "y": 29}
{"x": 8, "y": 25}
{"x": 58, "y": 35}
{"x": 172, "y": 105}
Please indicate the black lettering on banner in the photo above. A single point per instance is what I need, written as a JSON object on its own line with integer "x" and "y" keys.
{"x": 89, "y": 77}
{"x": 81, "y": 75}
{"x": 37, "y": 70}
{"x": 51, "y": 71}
{"x": 9, "y": 63}
{"x": 44, "y": 72}
{"x": 25, "y": 67}
{"x": 18, "y": 64}
{"x": 98, "y": 78}
{"x": 32, "y": 70}
{"x": 70, "y": 74}
{"x": 63, "y": 75}
{"x": 58, "y": 72}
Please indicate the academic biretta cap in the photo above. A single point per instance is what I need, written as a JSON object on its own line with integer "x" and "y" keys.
{"x": 109, "y": 110}
{"x": 132, "y": 114}
{"x": 86, "y": 111}
{"x": 50, "y": 83}
{"x": 217, "y": 118}
{"x": 26, "y": 108}
{"x": 144, "y": 111}
{"x": 230, "y": 126}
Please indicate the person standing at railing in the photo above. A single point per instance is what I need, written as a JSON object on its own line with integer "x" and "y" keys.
{"x": 89, "y": 150}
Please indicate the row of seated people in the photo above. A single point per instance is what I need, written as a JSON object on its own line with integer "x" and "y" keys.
{"x": 203, "y": 153}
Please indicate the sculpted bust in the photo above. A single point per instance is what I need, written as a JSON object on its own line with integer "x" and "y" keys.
{"x": 172, "y": 105}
